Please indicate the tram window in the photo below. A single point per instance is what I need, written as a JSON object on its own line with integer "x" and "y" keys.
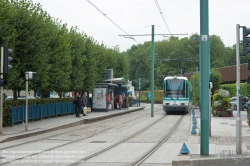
{"x": 175, "y": 88}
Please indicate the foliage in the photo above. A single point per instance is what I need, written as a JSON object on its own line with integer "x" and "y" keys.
{"x": 244, "y": 89}
{"x": 220, "y": 104}
{"x": 215, "y": 78}
{"x": 231, "y": 88}
{"x": 177, "y": 56}
{"x": 216, "y": 96}
{"x": 194, "y": 80}
{"x": 157, "y": 96}
{"x": 64, "y": 59}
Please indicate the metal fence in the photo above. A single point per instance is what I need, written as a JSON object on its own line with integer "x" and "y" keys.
{"x": 40, "y": 111}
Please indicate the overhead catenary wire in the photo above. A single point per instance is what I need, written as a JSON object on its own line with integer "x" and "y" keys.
{"x": 158, "y": 6}
{"x": 110, "y": 20}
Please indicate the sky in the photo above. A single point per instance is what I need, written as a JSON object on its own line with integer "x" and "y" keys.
{"x": 136, "y": 17}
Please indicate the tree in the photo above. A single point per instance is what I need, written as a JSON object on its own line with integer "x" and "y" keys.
{"x": 60, "y": 60}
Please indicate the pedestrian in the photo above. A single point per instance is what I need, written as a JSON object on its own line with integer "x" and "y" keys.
{"x": 116, "y": 105}
{"x": 79, "y": 103}
{"x": 120, "y": 101}
{"x": 109, "y": 102}
{"x": 85, "y": 103}
{"x": 127, "y": 101}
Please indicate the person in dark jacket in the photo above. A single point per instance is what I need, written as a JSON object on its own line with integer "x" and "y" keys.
{"x": 79, "y": 104}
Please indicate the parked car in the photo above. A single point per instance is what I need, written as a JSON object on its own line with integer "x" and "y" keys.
{"x": 233, "y": 101}
{"x": 245, "y": 104}
{"x": 9, "y": 98}
{"x": 20, "y": 97}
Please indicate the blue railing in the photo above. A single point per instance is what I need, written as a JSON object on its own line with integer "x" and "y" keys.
{"x": 40, "y": 111}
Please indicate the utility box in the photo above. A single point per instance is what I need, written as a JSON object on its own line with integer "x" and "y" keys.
{"x": 108, "y": 74}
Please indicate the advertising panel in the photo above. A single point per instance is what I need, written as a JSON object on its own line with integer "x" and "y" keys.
{"x": 99, "y": 98}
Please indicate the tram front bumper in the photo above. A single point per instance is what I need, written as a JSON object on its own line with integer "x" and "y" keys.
{"x": 175, "y": 108}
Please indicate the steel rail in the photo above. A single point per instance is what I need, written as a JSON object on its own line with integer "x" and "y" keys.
{"x": 68, "y": 143}
{"x": 150, "y": 152}
{"x": 116, "y": 144}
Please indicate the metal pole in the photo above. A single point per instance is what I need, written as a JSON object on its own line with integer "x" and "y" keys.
{"x": 238, "y": 119}
{"x": 152, "y": 73}
{"x": 210, "y": 92}
{"x": 26, "y": 108}
{"x": 204, "y": 43}
{"x": 1, "y": 93}
{"x": 200, "y": 75}
{"x": 139, "y": 91}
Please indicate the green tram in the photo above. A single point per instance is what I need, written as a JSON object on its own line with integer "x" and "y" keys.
{"x": 177, "y": 94}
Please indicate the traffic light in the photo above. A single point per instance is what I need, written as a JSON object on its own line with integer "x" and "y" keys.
{"x": 6, "y": 60}
{"x": 246, "y": 40}
{"x": 3, "y": 82}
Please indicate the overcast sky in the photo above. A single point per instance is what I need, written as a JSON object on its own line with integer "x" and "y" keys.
{"x": 136, "y": 17}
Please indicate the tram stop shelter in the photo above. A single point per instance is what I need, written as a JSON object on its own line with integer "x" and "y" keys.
{"x": 101, "y": 91}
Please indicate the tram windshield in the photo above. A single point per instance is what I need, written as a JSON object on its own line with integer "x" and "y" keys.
{"x": 175, "y": 88}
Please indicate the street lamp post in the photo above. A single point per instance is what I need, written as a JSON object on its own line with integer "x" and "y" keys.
{"x": 238, "y": 119}
{"x": 139, "y": 91}
{"x": 28, "y": 76}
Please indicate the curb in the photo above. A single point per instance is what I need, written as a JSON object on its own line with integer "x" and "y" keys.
{"x": 215, "y": 160}
{"x": 73, "y": 124}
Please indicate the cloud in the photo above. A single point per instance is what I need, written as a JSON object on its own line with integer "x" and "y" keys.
{"x": 137, "y": 16}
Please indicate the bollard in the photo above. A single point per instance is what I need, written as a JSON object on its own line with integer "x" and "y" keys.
{"x": 193, "y": 112}
{"x": 184, "y": 149}
{"x": 194, "y": 126}
{"x": 193, "y": 131}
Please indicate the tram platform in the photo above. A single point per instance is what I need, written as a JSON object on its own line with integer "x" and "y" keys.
{"x": 52, "y": 124}
{"x": 222, "y": 143}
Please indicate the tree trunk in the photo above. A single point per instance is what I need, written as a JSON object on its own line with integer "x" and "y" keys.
{"x": 15, "y": 95}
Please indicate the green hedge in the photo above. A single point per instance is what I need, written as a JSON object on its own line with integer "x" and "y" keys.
{"x": 157, "y": 96}
{"x": 231, "y": 88}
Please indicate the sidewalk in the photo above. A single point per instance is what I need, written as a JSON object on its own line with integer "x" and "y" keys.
{"x": 222, "y": 143}
{"x": 53, "y": 124}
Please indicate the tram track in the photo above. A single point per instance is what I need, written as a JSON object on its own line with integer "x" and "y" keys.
{"x": 68, "y": 143}
{"x": 58, "y": 134}
{"x": 116, "y": 144}
{"x": 146, "y": 155}
{"x": 150, "y": 152}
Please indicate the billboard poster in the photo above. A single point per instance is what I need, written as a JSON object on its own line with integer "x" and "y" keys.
{"x": 99, "y": 98}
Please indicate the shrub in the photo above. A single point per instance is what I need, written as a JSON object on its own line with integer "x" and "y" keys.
{"x": 221, "y": 105}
